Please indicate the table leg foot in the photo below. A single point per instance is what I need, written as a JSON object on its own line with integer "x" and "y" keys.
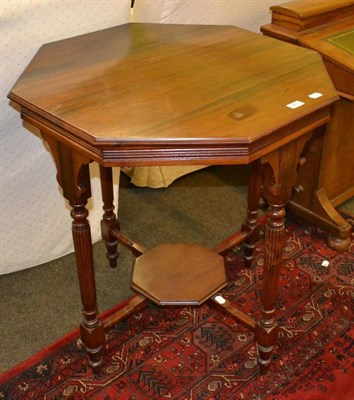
{"x": 338, "y": 243}
{"x": 93, "y": 338}
{"x": 339, "y": 229}
{"x": 322, "y": 213}
{"x": 266, "y": 339}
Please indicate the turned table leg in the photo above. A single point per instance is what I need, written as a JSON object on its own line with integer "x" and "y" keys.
{"x": 91, "y": 327}
{"x": 251, "y": 225}
{"x": 267, "y": 326}
{"x": 109, "y": 219}
{"x": 278, "y": 178}
{"x": 74, "y": 177}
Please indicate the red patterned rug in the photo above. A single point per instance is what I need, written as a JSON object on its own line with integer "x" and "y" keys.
{"x": 199, "y": 353}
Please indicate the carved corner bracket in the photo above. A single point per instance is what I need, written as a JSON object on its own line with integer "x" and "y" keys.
{"x": 280, "y": 171}
{"x": 72, "y": 171}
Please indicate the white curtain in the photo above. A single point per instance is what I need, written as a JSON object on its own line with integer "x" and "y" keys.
{"x": 248, "y": 14}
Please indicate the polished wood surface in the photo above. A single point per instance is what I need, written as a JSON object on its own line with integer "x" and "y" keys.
{"x": 179, "y": 274}
{"x": 339, "y": 60}
{"x": 145, "y": 94}
{"x": 166, "y": 86}
{"x": 301, "y": 15}
{"x": 337, "y": 152}
{"x": 326, "y": 178}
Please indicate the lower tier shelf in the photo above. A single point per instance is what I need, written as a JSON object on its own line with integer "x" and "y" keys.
{"x": 179, "y": 274}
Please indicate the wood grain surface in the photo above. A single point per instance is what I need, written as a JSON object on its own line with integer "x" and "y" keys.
{"x": 163, "y": 83}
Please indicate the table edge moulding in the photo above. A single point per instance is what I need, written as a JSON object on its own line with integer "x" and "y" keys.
{"x": 222, "y": 120}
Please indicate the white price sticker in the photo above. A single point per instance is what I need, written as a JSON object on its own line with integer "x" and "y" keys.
{"x": 325, "y": 263}
{"x": 295, "y": 104}
{"x": 220, "y": 299}
{"x": 315, "y": 95}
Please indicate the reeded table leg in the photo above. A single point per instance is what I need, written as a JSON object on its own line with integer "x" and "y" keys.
{"x": 74, "y": 177}
{"x": 267, "y": 327}
{"x": 109, "y": 219}
{"x": 278, "y": 178}
{"x": 91, "y": 327}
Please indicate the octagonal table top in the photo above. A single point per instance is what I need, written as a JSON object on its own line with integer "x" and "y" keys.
{"x": 178, "y": 274}
{"x": 144, "y": 88}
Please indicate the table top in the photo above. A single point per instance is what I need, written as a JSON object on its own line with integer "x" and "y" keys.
{"x": 162, "y": 93}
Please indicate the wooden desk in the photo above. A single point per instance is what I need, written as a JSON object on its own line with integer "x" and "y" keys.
{"x": 150, "y": 94}
{"x": 327, "y": 178}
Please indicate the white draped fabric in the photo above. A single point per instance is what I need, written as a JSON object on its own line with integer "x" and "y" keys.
{"x": 248, "y": 14}
{"x": 35, "y": 220}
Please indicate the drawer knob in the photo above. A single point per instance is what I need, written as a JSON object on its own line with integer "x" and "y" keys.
{"x": 302, "y": 161}
{"x": 298, "y": 189}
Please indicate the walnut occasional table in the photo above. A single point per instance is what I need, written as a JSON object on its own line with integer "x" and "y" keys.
{"x": 151, "y": 94}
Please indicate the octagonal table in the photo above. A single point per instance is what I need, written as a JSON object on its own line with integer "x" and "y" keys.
{"x": 151, "y": 94}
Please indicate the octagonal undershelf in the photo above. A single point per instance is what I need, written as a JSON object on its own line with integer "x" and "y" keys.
{"x": 179, "y": 274}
